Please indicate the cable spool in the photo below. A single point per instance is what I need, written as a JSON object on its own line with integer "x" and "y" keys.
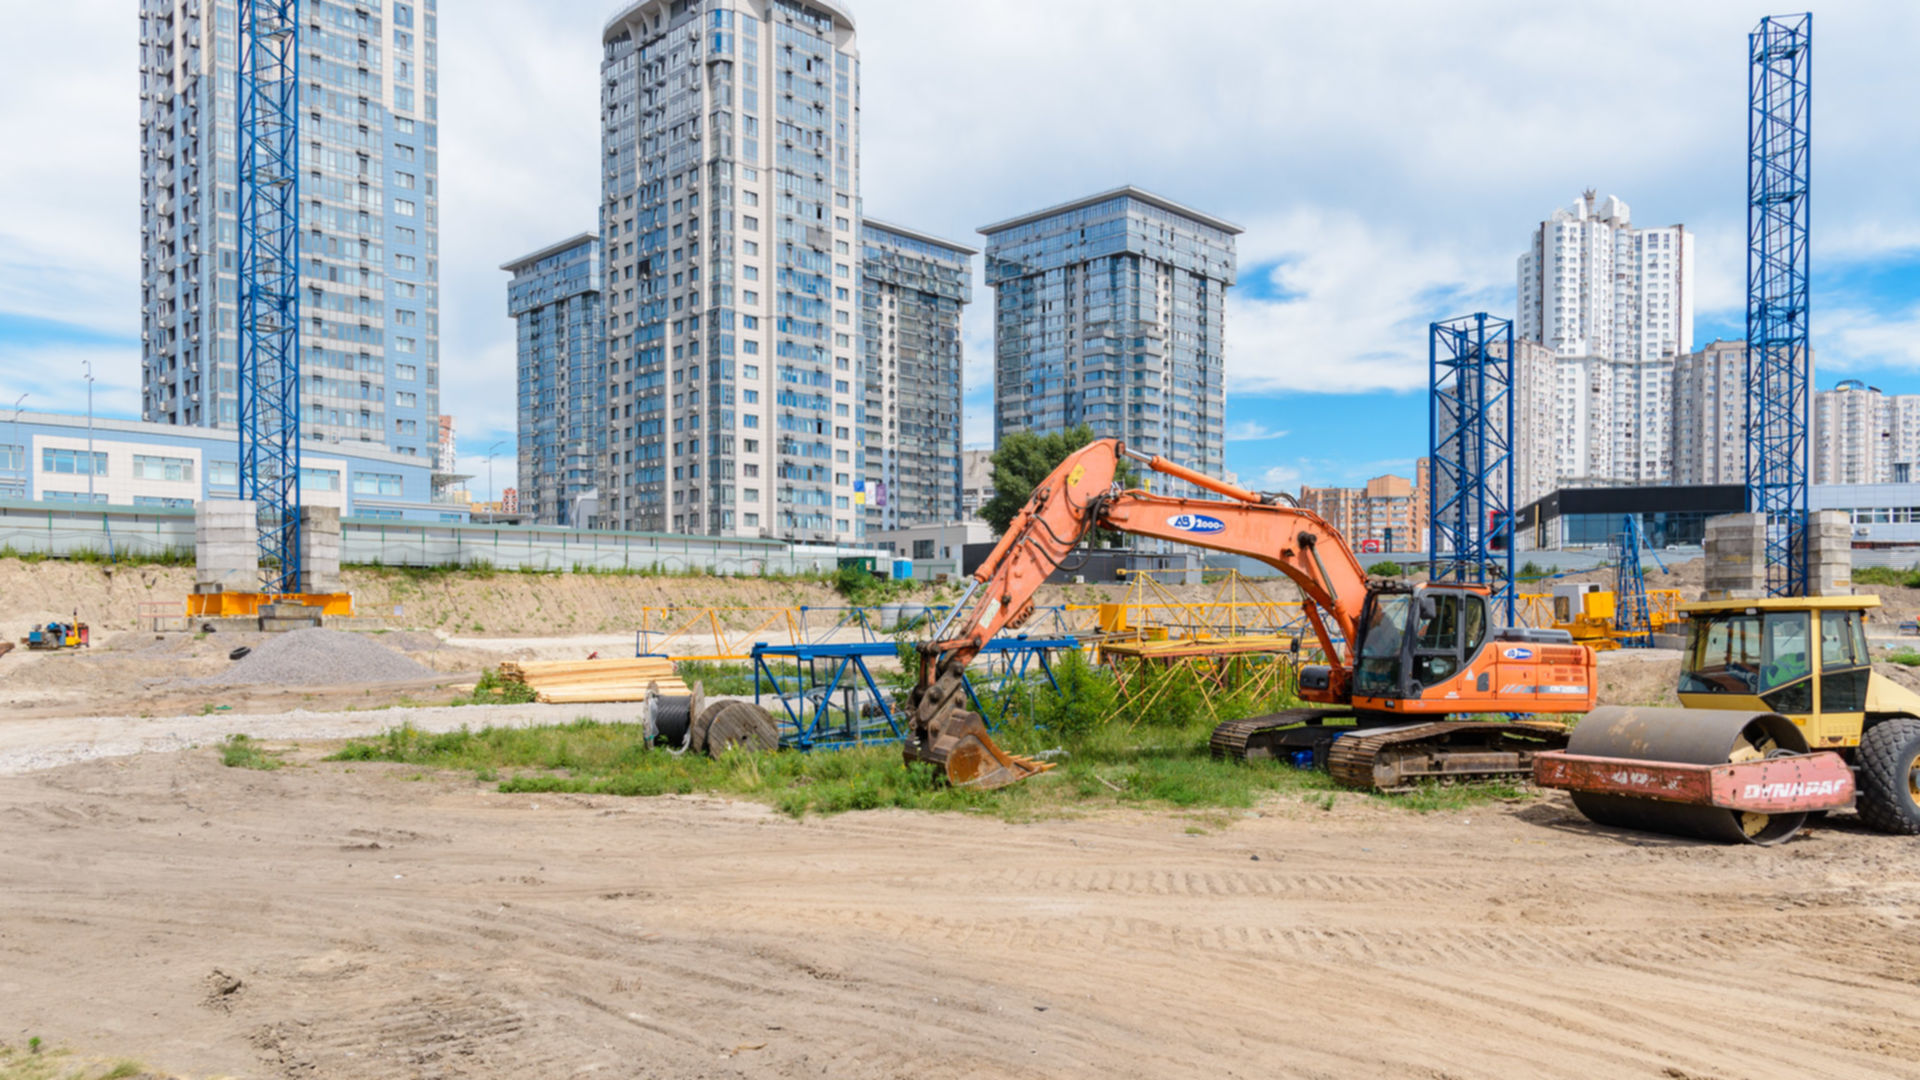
{"x": 668, "y": 719}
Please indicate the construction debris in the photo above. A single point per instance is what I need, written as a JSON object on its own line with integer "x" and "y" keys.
{"x": 575, "y": 682}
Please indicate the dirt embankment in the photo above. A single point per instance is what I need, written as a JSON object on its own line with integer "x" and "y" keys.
{"x": 495, "y": 604}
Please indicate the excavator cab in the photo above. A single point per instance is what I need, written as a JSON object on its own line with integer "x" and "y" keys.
{"x": 1417, "y": 636}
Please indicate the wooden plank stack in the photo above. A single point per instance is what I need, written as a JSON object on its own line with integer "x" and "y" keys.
{"x": 576, "y": 682}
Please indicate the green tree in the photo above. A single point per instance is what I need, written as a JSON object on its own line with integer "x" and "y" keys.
{"x": 1023, "y": 459}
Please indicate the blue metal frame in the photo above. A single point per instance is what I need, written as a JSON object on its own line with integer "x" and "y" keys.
{"x": 806, "y": 727}
{"x": 269, "y": 279}
{"x": 1633, "y": 618}
{"x": 1470, "y": 439}
{"x": 1779, "y": 186}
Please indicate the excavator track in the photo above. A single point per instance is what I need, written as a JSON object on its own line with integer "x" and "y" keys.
{"x": 1257, "y": 736}
{"x": 1395, "y": 758}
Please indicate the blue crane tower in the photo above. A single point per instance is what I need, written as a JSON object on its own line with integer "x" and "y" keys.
{"x": 268, "y": 180}
{"x": 1470, "y": 436}
{"x": 1779, "y": 184}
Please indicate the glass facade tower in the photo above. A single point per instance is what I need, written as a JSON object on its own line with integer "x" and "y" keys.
{"x": 729, "y": 210}
{"x": 1110, "y": 311}
{"x": 369, "y": 219}
{"x": 913, "y": 288}
{"x": 561, "y": 348}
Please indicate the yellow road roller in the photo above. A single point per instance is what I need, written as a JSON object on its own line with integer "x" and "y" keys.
{"x": 1783, "y": 718}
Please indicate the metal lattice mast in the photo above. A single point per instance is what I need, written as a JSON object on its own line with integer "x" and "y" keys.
{"x": 1470, "y": 428}
{"x": 269, "y": 272}
{"x": 1633, "y": 617}
{"x": 1779, "y": 175}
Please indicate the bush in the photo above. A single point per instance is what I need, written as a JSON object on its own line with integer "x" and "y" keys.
{"x": 491, "y": 689}
{"x": 1386, "y": 569}
{"x": 1087, "y": 697}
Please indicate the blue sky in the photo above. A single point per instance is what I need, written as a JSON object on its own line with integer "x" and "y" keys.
{"x": 1387, "y": 161}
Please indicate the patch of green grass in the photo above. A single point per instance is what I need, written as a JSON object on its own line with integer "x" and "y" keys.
{"x": 1113, "y": 765}
{"x": 716, "y": 678}
{"x": 1905, "y": 658}
{"x": 37, "y": 1063}
{"x": 1887, "y": 575}
{"x": 1386, "y": 568}
{"x": 241, "y": 752}
{"x": 169, "y": 557}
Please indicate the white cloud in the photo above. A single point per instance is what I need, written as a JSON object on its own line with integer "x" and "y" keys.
{"x": 1326, "y": 472}
{"x": 1358, "y": 300}
{"x": 1252, "y": 431}
{"x": 1281, "y": 478}
{"x": 1394, "y": 155}
{"x": 52, "y": 377}
{"x": 1857, "y": 338}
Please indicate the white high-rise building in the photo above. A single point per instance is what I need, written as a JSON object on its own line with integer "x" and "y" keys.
{"x": 1592, "y": 284}
{"x": 1536, "y": 416}
{"x": 1613, "y": 305}
{"x": 1862, "y": 436}
{"x": 1710, "y": 415}
{"x": 1589, "y": 421}
{"x": 730, "y": 217}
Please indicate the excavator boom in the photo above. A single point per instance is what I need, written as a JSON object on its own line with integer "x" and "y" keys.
{"x": 1078, "y": 497}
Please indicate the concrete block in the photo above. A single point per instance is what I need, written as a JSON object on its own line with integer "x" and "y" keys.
{"x": 227, "y": 555}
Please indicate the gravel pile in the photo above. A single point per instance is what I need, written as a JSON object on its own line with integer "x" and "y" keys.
{"x": 319, "y": 657}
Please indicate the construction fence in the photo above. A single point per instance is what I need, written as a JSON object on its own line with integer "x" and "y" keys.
{"x": 62, "y": 532}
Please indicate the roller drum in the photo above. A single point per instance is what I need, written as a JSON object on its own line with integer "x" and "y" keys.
{"x": 1690, "y": 736}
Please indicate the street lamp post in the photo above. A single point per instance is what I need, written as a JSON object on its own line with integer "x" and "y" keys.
{"x": 492, "y": 496}
{"x": 88, "y": 364}
{"x": 26, "y": 461}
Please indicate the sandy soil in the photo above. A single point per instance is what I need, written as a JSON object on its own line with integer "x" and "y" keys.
{"x": 354, "y": 921}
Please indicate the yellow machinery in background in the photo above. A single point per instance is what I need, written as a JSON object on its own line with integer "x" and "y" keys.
{"x": 246, "y": 605}
{"x": 1591, "y": 614}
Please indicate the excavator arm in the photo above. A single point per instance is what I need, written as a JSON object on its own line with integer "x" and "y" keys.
{"x": 1075, "y": 499}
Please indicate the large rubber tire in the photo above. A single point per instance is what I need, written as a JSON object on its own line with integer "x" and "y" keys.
{"x": 1889, "y": 775}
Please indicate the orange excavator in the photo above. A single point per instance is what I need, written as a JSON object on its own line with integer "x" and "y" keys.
{"x": 1400, "y": 659}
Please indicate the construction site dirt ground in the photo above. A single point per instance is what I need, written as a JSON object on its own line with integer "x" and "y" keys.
{"x": 352, "y": 920}
{"x": 336, "y": 919}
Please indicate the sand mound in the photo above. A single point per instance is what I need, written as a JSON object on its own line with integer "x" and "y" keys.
{"x": 319, "y": 657}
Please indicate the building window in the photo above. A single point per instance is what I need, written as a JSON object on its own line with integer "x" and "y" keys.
{"x": 376, "y": 483}
{"x": 73, "y": 496}
{"x": 165, "y": 503}
{"x": 382, "y": 515}
{"x": 73, "y": 462}
{"x": 224, "y": 473}
{"x": 404, "y": 207}
{"x": 161, "y": 468}
{"x": 319, "y": 479}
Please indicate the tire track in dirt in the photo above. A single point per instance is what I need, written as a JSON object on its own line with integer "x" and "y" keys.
{"x": 380, "y": 928}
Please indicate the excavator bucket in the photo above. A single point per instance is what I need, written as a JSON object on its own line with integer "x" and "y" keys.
{"x": 960, "y": 746}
